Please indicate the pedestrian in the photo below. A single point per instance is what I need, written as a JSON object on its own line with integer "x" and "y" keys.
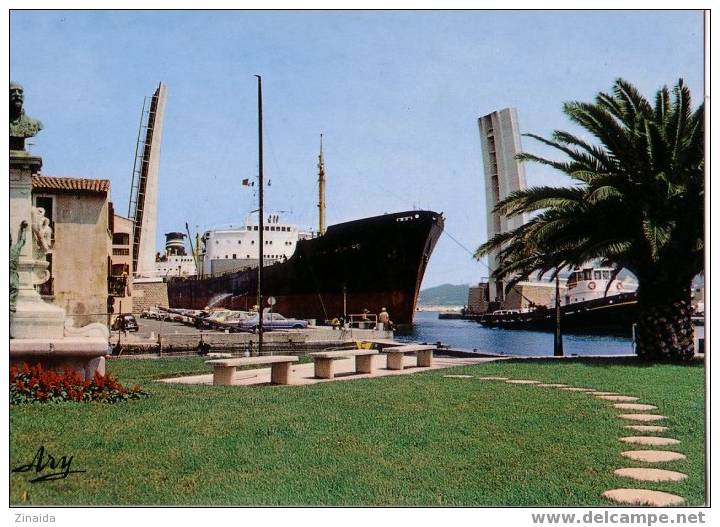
{"x": 384, "y": 319}
{"x": 365, "y": 320}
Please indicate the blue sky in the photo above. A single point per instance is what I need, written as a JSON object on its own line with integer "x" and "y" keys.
{"x": 397, "y": 95}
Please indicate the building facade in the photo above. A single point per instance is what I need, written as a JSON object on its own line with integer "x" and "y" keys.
{"x": 81, "y": 219}
{"x": 120, "y": 282}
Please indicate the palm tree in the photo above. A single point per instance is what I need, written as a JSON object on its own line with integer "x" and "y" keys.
{"x": 636, "y": 203}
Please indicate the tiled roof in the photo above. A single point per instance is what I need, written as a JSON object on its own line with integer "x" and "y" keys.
{"x": 71, "y": 184}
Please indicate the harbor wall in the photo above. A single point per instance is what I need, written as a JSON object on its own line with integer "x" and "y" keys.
{"x": 149, "y": 294}
{"x": 524, "y": 293}
{"x": 314, "y": 338}
{"x": 478, "y": 298}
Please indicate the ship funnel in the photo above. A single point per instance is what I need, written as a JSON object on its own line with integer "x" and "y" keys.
{"x": 175, "y": 244}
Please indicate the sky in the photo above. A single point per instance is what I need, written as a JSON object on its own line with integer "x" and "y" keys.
{"x": 397, "y": 95}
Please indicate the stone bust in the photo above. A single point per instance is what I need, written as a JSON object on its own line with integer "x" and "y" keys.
{"x": 21, "y": 126}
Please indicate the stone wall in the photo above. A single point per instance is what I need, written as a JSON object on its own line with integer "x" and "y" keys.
{"x": 149, "y": 294}
{"x": 523, "y": 293}
{"x": 477, "y": 299}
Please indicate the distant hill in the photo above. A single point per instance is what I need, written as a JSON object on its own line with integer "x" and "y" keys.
{"x": 444, "y": 295}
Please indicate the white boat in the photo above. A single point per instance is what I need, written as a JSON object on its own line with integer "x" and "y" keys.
{"x": 590, "y": 283}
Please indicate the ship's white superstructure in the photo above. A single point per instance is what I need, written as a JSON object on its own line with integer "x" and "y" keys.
{"x": 175, "y": 265}
{"x": 175, "y": 261}
{"x": 235, "y": 247}
{"x": 590, "y": 283}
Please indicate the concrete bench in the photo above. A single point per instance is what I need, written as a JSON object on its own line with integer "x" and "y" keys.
{"x": 325, "y": 361}
{"x": 224, "y": 369}
{"x": 395, "y": 355}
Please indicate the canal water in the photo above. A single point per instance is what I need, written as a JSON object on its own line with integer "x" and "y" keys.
{"x": 468, "y": 334}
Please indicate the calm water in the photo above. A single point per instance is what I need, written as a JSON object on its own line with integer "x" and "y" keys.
{"x": 468, "y": 334}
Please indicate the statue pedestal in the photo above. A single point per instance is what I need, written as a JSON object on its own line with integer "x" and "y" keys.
{"x": 85, "y": 355}
{"x": 38, "y": 329}
{"x": 34, "y": 318}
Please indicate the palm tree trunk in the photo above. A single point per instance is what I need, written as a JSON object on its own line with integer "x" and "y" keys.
{"x": 664, "y": 327}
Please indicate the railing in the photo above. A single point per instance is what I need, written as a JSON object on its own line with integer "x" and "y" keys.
{"x": 363, "y": 320}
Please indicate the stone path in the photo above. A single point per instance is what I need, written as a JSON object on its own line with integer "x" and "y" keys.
{"x": 652, "y": 456}
{"x": 634, "y": 406}
{"x": 626, "y": 402}
{"x": 647, "y": 428}
{"x": 618, "y": 398}
{"x": 654, "y": 498}
{"x": 650, "y": 474}
{"x": 642, "y": 417}
{"x": 649, "y": 440}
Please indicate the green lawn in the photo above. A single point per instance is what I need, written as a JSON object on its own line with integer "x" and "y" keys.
{"x": 411, "y": 440}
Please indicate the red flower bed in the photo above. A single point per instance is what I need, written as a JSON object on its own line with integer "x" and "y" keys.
{"x": 30, "y": 384}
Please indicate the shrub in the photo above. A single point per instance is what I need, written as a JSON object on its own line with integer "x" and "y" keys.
{"x": 33, "y": 384}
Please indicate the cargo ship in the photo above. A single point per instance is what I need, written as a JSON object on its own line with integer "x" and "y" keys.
{"x": 348, "y": 268}
{"x": 368, "y": 263}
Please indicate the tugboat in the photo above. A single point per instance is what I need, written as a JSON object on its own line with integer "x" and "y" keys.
{"x": 592, "y": 303}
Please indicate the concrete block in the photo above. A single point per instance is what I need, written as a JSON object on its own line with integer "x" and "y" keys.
{"x": 425, "y": 358}
{"x": 223, "y": 375}
{"x": 280, "y": 373}
{"x": 395, "y": 360}
{"x": 365, "y": 364}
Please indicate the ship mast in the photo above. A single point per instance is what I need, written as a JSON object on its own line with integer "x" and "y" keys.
{"x": 321, "y": 189}
{"x": 260, "y": 218}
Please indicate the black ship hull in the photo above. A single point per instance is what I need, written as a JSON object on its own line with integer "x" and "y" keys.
{"x": 614, "y": 314}
{"x": 364, "y": 264}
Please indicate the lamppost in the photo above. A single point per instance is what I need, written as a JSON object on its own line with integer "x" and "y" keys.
{"x": 558, "y": 345}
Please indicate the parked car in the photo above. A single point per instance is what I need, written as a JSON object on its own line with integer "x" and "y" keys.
{"x": 234, "y": 317}
{"x": 211, "y": 316}
{"x": 272, "y": 321}
{"x": 225, "y": 316}
{"x": 150, "y": 314}
{"x": 125, "y": 322}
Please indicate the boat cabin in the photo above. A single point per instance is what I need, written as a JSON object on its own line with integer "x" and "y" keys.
{"x": 589, "y": 283}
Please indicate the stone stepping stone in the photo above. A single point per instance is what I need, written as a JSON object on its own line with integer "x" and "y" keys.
{"x": 653, "y": 456}
{"x": 642, "y": 417}
{"x": 618, "y": 398}
{"x": 458, "y": 376}
{"x": 634, "y": 406}
{"x": 522, "y": 381}
{"x": 650, "y": 440}
{"x": 654, "y": 498}
{"x": 647, "y": 428}
{"x": 493, "y": 378}
{"x": 573, "y": 389}
{"x": 650, "y": 474}
{"x": 603, "y": 393}
{"x": 551, "y": 385}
